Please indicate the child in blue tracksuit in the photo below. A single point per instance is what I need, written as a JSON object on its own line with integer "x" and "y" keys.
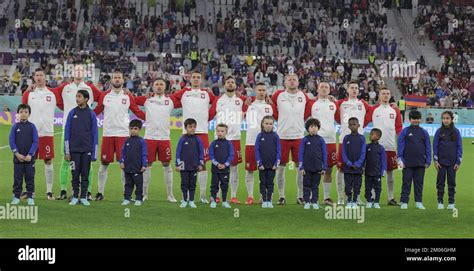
{"x": 24, "y": 144}
{"x": 312, "y": 158}
{"x": 353, "y": 157}
{"x": 221, "y": 153}
{"x": 267, "y": 154}
{"x": 133, "y": 163}
{"x": 414, "y": 155}
{"x": 189, "y": 160}
{"x": 80, "y": 145}
{"x": 447, "y": 156}
{"x": 375, "y": 167}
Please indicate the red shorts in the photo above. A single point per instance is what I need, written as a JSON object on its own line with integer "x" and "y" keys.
{"x": 332, "y": 155}
{"x": 45, "y": 148}
{"x": 339, "y": 163}
{"x": 111, "y": 145}
{"x": 391, "y": 160}
{"x": 287, "y": 146}
{"x": 205, "y": 143}
{"x": 160, "y": 148}
{"x": 237, "y": 152}
{"x": 250, "y": 161}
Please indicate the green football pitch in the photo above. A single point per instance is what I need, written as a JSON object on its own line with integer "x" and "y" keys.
{"x": 159, "y": 219}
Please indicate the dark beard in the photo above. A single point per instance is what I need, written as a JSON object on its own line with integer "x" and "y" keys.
{"x": 117, "y": 86}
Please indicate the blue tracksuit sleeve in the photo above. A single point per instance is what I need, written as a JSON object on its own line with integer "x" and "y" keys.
{"x": 278, "y": 148}
{"x": 211, "y": 154}
{"x": 124, "y": 152}
{"x": 34, "y": 146}
{"x": 201, "y": 151}
{"x": 384, "y": 161}
{"x": 301, "y": 153}
{"x": 427, "y": 147}
{"x": 231, "y": 155}
{"x": 144, "y": 153}
{"x": 67, "y": 132}
{"x": 257, "y": 151}
{"x": 459, "y": 156}
{"x": 324, "y": 153}
{"x": 178, "y": 151}
{"x": 95, "y": 136}
{"x": 401, "y": 145}
{"x": 344, "y": 154}
{"x": 363, "y": 147}
{"x": 435, "y": 145}
{"x": 13, "y": 146}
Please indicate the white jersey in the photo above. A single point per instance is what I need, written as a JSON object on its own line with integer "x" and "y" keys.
{"x": 195, "y": 103}
{"x": 43, "y": 106}
{"x": 291, "y": 113}
{"x": 116, "y": 116}
{"x": 255, "y": 113}
{"x": 228, "y": 110}
{"x": 68, "y": 92}
{"x": 349, "y": 108}
{"x": 325, "y": 111}
{"x": 388, "y": 120}
{"x": 158, "y": 110}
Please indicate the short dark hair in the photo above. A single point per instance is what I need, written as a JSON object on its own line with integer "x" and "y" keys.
{"x": 159, "y": 79}
{"x": 23, "y": 106}
{"x": 353, "y": 82}
{"x": 353, "y": 118}
{"x": 312, "y": 122}
{"x": 229, "y": 77}
{"x": 135, "y": 123}
{"x": 189, "y": 121}
{"x": 377, "y": 131}
{"x": 84, "y": 93}
{"x": 260, "y": 84}
{"x": 415, "y": 114}
{"x": 38, "y": 70}
{"x": 223, "y": 125}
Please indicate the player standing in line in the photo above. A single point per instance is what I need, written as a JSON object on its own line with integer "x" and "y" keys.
{"x": 325, "y": 110}
{"x": 229, "y": 109}
{"x": 157, "y": 134}
{"x": 388, "y": 119}
{"x": 115, "y": 104}
{"x": 67, "y": 101}
{"x": 255, "y": 114}
{"x": 347, "y": 108}
{"x": 291, "y": 109}
{"x": 43, "y": 103}
{"x": 195, "y": 102}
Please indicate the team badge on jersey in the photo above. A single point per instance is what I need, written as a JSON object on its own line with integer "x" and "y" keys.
{"x": 124, "y": 101}
{"x": 331, "y": 107}
{"x": 300, "y": 100}
{"x": 167, "y": 102}
{"x": 203, "y": 96}
{"x": 48, "y": 98}
{"x": 392, "y": 116}
{"x": 267, "y": 110}
{"x": 237, "y": 102}
{"x": 359, "y": 107}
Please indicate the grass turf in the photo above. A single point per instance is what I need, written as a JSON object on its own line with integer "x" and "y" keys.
{"x": 157, "y": 218}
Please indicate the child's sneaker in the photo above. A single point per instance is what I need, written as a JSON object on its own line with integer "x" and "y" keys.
{"x": 307, "y": 206}
{"x": 377, "y": 205}
{"x": 15, "y": 201}
{"x": 269, "y": 204}
{"x": 225, "y": 204}
{"x": 183, "y": 204}
{"x": 420, "y": 206}
{"x": 355, "y": 205}
{"x": 213, "y": 204}
{"x": 403, "y": 206}
{"x": 349, "y": 205}
{"x": 315, "y": 206}
{"x": 125, "y": 202}
{"x": 85, "y": 202}
{"x": 74, "y": 201}
{"x": 31, "y": 201}
{"x": 451, "y": 206}
{"x": 369, "y": 205}
{"x": 440, "y": 206}
{"x": 192, "y": 204}
{"x": 264, "y": 204}
{"x": 138, "y": 203}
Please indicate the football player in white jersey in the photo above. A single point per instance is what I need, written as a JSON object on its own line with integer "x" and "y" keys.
{"x": 43, "y": 102}
{"x": 158, "y": 108}
{"x": 195, "y": 102}
{"x": 229, "y": 109}
{"x": 291, "y": 109}
{"x": 387, "y": 118}
{"x": 324, "y": 110}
